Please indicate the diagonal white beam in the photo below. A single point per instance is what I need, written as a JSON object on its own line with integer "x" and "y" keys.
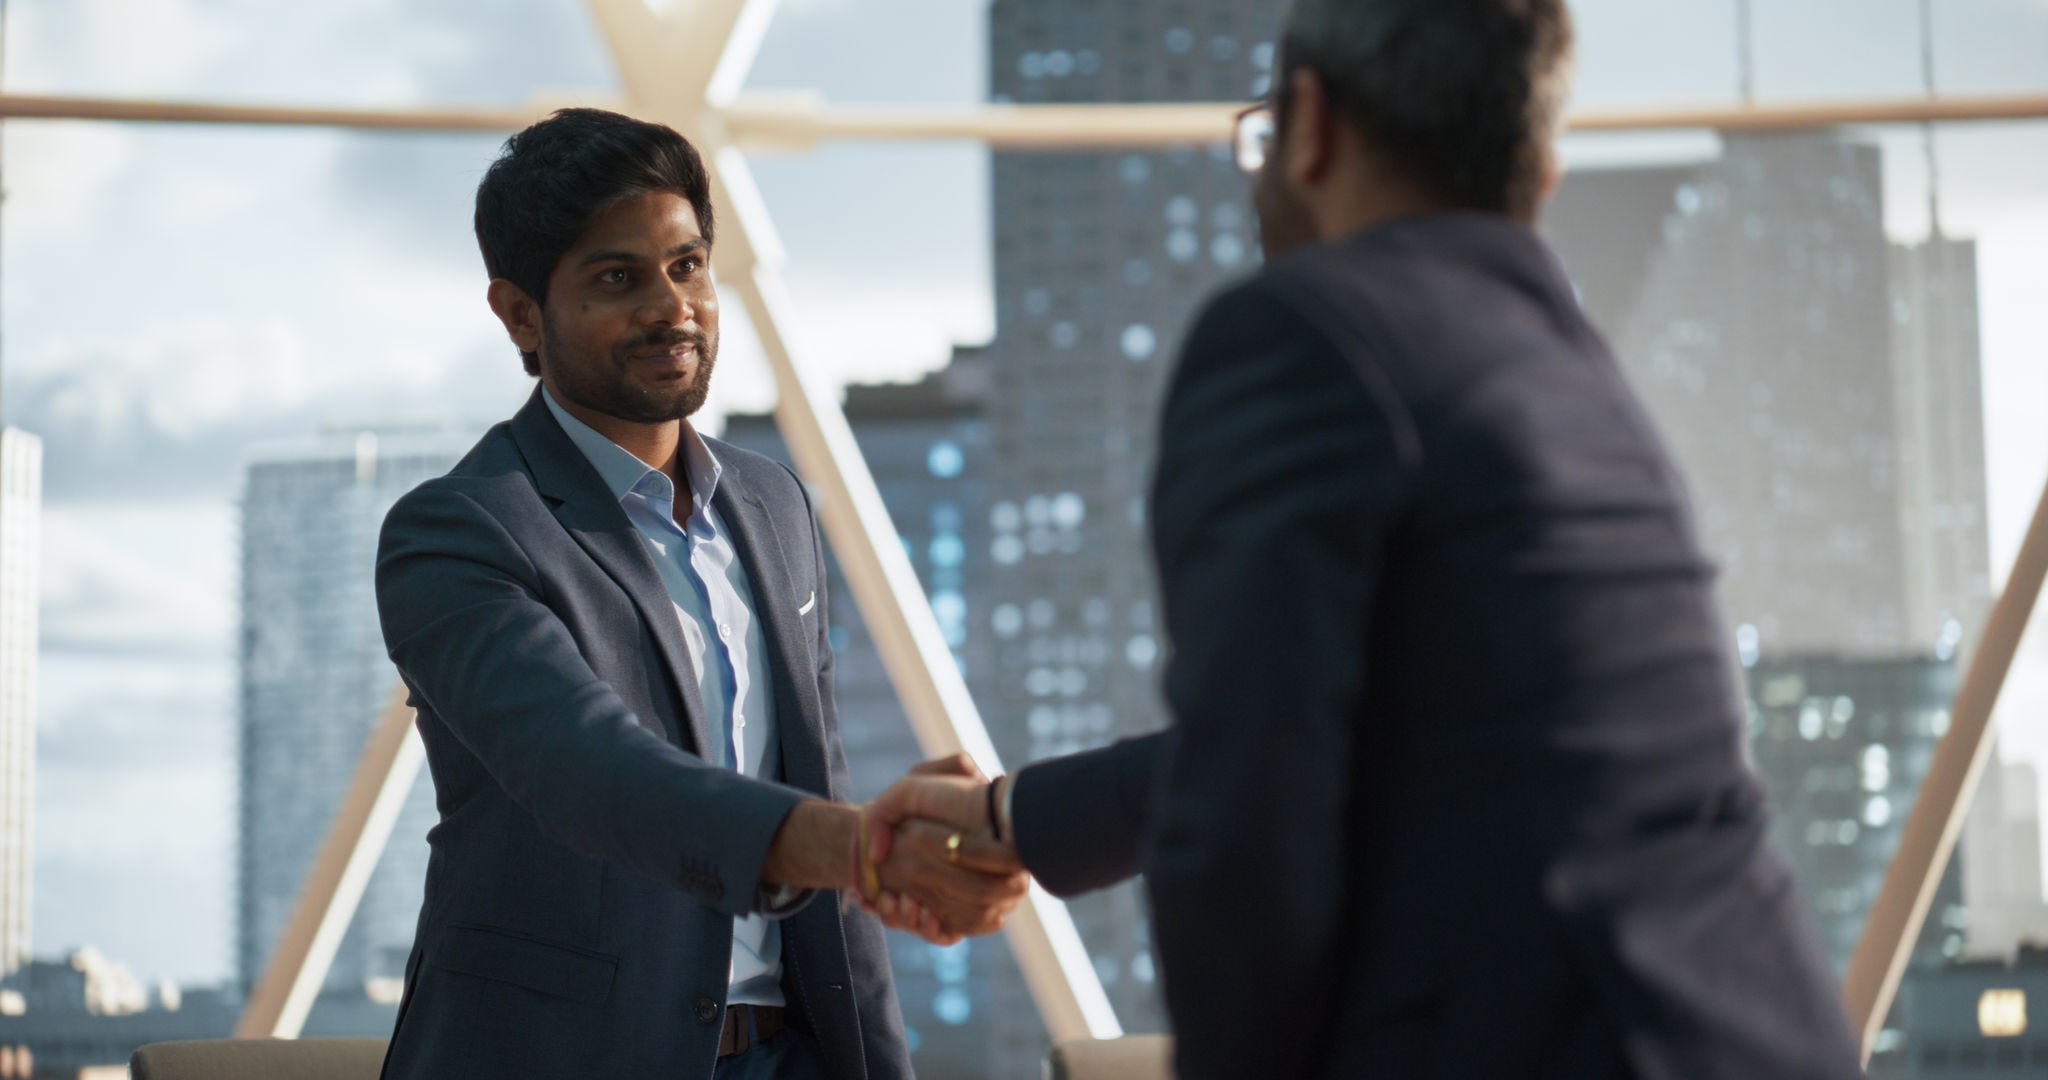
{"x": 913, "y": 650}
{"x": 1929, "y": 836}
{"x": 281, "y": 999}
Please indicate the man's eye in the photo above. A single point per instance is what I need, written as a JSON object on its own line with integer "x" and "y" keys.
{"x": 689, "y": 267}
{"x": 615, "y": 276}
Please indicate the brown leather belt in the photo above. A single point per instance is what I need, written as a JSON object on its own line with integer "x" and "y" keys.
{"x": 738, "y": 1036}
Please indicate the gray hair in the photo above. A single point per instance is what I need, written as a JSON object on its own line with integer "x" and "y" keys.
{"x": 1464, "y": 96}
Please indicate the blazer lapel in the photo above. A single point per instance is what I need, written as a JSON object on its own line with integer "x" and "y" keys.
{"x": 798, "y": 712}
{"x": 587, "y": 509}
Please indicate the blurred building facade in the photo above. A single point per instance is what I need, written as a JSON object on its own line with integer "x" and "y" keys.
{"x": 1842, "y": 744}
{"x": 1968, "y": 1019}
{"x": 86, "y": 1012}
{"x": 1100, "y": 262}
{"x": 2002, "y": 866}
{"x": 314, "y": 677}
{"x": 1819, "y": 385}
{"x": 928, "y": 447}
{"x": 21, "y": 503}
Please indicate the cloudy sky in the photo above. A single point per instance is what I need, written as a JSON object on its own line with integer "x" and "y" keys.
{"x": 172, "y": 294}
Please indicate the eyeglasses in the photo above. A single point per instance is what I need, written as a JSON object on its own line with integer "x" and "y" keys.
{"x": 1253, "y": 139}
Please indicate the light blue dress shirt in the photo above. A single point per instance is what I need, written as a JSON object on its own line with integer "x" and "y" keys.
{"x": 708, "y": 586}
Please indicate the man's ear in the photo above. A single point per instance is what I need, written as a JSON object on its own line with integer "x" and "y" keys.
{"x": 518, "y": 312}
{"x": 1310, "y": 141}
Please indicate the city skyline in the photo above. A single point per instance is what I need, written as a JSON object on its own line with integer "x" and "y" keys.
{"x": 157, "y": 742}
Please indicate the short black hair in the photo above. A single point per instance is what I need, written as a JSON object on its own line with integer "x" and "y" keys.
{"x": 1464, "y": 96}
{"x": 552, "y": 179}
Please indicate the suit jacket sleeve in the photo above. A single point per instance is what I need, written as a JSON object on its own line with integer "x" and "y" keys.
{"x": 1082, "y": 821}
{"x": 1277, "y": 477}
{"x": 464, "y": 621}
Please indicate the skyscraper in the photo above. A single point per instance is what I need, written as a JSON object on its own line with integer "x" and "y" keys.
{"x": 1759, "y": 340}
{"x": 1100, "y": 261}
{"x": 21, "y": 507}
{"x": 313, "y": 678}
{"x": 928, "y": 446}
{"x": 2002, "y": 866}
{"x": 1818, "y": 384}
{"x": 1939, "y": 400}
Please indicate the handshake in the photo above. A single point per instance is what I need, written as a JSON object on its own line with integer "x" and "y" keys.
{"x": 931, "y": 857}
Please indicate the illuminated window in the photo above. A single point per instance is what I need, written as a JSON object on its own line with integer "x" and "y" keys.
{"x": 2002, "y": 1013}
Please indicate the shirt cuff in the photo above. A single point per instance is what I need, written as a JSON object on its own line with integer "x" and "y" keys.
{"x": 1006, "y": 821}
{"x": 782, "y": 901}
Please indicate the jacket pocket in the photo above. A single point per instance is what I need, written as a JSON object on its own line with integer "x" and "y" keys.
{"x": 510, "y": 957}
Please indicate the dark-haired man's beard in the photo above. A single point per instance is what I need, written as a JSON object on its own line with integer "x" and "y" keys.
{"x": 1284, "y": 219}
{"x": 606, "y": 384}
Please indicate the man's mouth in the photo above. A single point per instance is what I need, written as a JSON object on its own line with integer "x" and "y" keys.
{"x": 679, "y": 353}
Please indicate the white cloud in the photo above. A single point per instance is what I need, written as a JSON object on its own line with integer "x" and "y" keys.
{"x": 118, "y": 47}
{"x": 140, "y": 575}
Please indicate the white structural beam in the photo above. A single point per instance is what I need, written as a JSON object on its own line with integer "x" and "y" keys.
{"x": 913, "y": 650}
{"x": 782, "y": 120}
{"x": 1929, "y": 835}
{"x": 280, "y": 1001}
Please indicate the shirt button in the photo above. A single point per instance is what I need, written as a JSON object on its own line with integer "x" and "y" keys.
{"x": 724, "y": 631}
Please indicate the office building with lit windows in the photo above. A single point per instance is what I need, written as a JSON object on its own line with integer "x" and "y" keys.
{"x": 1842, "y": 745}
{"x": 1968, "y": 1019}
{"x": 1101, "y": 259}
{"x": 313, "y": 679}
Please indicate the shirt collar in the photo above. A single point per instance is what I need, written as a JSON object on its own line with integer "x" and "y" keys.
{"x": 625, "y": 474}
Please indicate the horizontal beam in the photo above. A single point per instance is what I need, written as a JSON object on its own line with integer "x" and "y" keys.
{"x": 135, "y": 110}
{"x": 795, "y": 121}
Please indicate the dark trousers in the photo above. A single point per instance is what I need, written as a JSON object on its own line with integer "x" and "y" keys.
{"x": 790, "y": 1055}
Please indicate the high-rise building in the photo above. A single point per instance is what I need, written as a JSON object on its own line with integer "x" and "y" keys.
{"x": 2002, "y": 865}
{"x": 1939, "y": 399}
{"x": 1759, "y": 338}
{"x": 1818, "y": 384}
{"x": 927, "y": 445}
{"x": 21, "y": 508}
{"x": 314, "y": 677}
{"x": 1842, "y": 744}
{"x": 1100, "y": 261}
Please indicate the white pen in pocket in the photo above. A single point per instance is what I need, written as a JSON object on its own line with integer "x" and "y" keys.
{"x": 808, "y": 604}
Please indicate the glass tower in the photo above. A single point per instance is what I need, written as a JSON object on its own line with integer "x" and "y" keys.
{"x": 313, "y": 678}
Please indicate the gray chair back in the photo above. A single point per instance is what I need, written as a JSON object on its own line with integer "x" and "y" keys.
{"x": 1133, "y": 1057}
{"x": 259, "y": 1059}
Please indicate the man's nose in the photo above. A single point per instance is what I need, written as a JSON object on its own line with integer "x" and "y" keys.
{"x": 668, "y": 305}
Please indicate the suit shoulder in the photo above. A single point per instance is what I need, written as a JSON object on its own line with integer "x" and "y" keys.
{"x": 491, "y": 477}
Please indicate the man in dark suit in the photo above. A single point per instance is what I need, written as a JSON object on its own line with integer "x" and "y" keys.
{"x": 1456, "y": 786}
{"x": 613, "y": 629}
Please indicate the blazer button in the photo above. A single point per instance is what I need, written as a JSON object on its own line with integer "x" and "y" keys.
{"x": 707, "y": 1010}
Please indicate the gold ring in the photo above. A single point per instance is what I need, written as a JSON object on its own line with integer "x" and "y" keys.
{"x": 953, "y": 847}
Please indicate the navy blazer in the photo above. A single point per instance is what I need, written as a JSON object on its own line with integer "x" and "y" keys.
{"x": 1457, "y": 784}
{"x": 589, "y": 862}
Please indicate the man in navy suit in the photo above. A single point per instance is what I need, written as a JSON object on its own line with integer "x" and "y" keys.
{"x": 614, "y": 631}
{"x": 1456, "y": 783}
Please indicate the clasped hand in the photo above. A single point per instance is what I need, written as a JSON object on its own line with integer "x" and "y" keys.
{"x": 943, "y": 875}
